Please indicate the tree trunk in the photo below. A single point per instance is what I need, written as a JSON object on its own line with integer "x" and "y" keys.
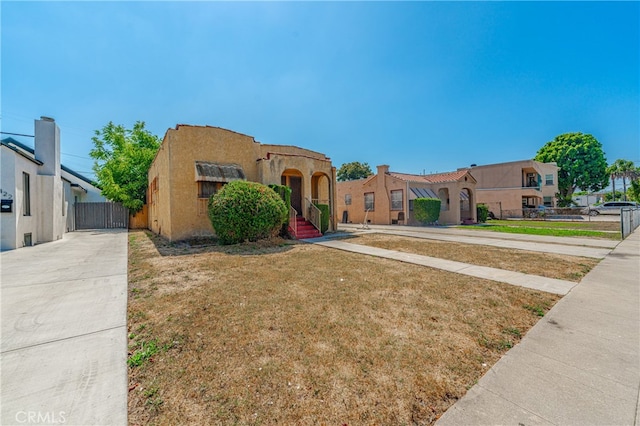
{"x": 613, "y": 186}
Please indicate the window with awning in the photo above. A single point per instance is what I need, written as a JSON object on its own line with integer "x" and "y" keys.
{"x": 422, "y": 193}
{"x": 218, "y": 172}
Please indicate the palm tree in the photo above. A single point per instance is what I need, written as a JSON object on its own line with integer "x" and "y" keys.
{"x": 624, "y": 169}
{"x": 613, "y": 171}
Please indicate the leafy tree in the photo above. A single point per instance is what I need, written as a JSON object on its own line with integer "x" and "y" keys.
{"x": 246, "y": 211}
{"x": 581, "y": 164}
{"x": 122, "y": 158}
{"x": 634, "y": 190}
{"x": 354, "y": 170}
{"x": 612, "y": 196}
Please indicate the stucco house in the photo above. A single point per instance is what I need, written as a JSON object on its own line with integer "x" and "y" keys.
{"x": 194, "y": 162}
{"x": 38, "y": 193}
{"x": 507, "y": 188}
{"x": 387, "y": 197}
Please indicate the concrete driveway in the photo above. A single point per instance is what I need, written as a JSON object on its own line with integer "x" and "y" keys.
{"x": 64, "y": 336}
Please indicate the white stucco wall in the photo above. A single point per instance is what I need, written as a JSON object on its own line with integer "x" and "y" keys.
{"x": 15, "y": 224}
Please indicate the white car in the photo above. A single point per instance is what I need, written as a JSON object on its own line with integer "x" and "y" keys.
{"x": 612, "y": 207}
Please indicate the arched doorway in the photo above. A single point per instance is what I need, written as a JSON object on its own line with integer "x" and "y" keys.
{"x": 443, "y": 194}
{"x": 467, "y": 205}
{"x": 321, "y": 194}
{"x": 294, "y": 179}
{"x": 320, "y": 188}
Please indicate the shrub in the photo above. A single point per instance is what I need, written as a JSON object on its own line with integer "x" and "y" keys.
{"x": 285, "y": 193}
{"x": 246, "y": 211}
{"x": 426, "y": 210}
{"x": 324, "y": 218}
{"x": 482, "y": 211}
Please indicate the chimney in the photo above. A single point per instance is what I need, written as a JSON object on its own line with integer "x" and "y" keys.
{"x": 47, "y": 146}
{"x": 383, "y": 169}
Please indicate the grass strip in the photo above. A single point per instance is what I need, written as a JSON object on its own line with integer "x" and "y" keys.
{"x": 547, "y": 231}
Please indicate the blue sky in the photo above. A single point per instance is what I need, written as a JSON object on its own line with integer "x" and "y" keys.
{"x": 421, "y": 86}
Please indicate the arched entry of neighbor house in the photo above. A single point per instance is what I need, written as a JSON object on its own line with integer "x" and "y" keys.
{"x": 443, "y": 194}
{"x": 321, "y": 190}
{"x": 466, "y": 205}
{"x": 293, "y": 179}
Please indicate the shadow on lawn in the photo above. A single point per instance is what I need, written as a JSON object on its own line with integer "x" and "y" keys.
{"x": 198, "y": 245}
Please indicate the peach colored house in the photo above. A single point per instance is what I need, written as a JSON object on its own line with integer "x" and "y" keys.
{"x": 507, "y": 188}
{"x": 387, "y": 197}
{"x": 194, "y": 162}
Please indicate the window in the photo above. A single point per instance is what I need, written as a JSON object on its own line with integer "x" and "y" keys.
{"x": 548, "y": 201}
{"x": 347, "y": 199}
{"x": 28, "y": 240}
{"x": 396, "y": 200}
{"x": 369, "y": 201}
{"x": 207, "y": 189}
{"x": 26, "y": 202}
{"x": 410, "y": 205}
{"x": 548, "y": 179}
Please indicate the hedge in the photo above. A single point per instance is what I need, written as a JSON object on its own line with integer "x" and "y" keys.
{"x": 426, "y": 210}
{"x": 324, "y": 217}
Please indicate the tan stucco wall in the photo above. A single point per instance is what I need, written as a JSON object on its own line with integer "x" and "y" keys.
{"x": 179, "y": 214}
{"x": 503, "y": 184}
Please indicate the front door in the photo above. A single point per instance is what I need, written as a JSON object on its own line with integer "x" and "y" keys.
{"x": 295, "y": 183}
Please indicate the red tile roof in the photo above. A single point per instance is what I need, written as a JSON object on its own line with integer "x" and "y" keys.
{"x": 434, "y": 178}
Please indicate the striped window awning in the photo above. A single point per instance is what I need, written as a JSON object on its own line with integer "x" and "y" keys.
{"x": 217, "y": 172}
{"x": 422, "y": 193}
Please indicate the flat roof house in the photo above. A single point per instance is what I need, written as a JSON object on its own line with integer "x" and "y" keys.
{"x": 507, "y": 188}
{"x": 194, "y": 162}
{"x": 387, "y": 197}
{"x": 38, "y": 193}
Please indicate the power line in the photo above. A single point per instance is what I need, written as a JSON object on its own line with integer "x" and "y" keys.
{"x": 17, "y": 134}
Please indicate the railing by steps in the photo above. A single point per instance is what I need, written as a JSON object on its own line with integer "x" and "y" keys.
{"x": 314, "y": 213}
{"x": 293, "y": 223}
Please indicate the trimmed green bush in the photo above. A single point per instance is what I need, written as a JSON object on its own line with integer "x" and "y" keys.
{"x": 426, "y": 210}
{"x": 246, "y": 211}
{"x": 285, "y": 193}
{"x": 482, "y": 211}
{"x": 324, "y": 218}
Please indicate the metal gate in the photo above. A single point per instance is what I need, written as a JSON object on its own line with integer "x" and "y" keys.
{"x": 101, "y": 215}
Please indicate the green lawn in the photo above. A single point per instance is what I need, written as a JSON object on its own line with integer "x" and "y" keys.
{"x": 556, "y": 229}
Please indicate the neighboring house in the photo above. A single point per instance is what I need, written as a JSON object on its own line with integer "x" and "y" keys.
{"x": 507, "y": 188}
{"x": 194, "y": 162}
{"x": 387, "y": 197}
{"x": 588, "y": 199}
{"x": 38, "y": 193}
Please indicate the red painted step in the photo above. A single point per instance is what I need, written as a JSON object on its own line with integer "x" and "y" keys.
{"x": 304, "y": 229}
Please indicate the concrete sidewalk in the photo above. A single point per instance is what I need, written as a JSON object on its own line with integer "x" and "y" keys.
{"x": 64, "y": 337}
{"x": 580, "y": 365}
{"x": 535, "y": 282}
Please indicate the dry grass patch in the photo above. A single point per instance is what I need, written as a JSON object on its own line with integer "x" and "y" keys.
{"x": 570, "y": 268}
{"x": 300, "y": 334}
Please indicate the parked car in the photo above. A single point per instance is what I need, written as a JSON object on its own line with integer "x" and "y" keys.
{"x": 536, "y": 211}
{"x": 612, "y": 207}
